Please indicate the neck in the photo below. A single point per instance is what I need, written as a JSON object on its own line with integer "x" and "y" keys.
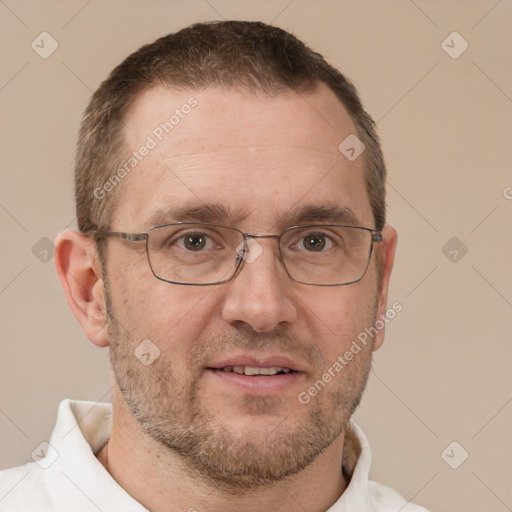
{"x": 161, "y": 481}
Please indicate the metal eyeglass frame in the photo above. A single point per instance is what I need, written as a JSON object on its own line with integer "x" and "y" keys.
{"x": 139, "y": 237}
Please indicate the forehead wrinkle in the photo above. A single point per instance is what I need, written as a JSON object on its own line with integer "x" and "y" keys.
{"x": 298, "y": 162}
{"x": 250, "y": 147}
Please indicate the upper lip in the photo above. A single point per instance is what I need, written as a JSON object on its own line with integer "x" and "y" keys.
{"x": 261, "y": 361}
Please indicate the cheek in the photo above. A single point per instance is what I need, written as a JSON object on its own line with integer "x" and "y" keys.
{"x": 171, "y": 316}
{"x": 340, "y": 315}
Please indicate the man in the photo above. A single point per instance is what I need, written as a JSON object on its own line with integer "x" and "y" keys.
{"x": 233, "y": 255}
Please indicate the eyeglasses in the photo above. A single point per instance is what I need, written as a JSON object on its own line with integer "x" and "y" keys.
{"x": 209, "y": 254}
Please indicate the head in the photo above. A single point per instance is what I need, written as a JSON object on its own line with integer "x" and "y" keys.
{"x": 238, "y": 124}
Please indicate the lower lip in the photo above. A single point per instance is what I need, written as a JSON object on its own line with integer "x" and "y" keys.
{"x": 260, "y": 385}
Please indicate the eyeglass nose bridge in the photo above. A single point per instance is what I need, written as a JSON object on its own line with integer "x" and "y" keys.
{"x": 243, "y": 252}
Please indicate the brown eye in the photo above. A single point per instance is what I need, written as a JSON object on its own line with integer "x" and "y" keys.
{"x": 195, "y": 241}
{"x": 314, "y": 242}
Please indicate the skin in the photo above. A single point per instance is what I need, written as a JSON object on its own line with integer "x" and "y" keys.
{"x": 182, "y": 437}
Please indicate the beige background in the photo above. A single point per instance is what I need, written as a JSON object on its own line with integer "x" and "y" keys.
{"x": 443, "y": 374}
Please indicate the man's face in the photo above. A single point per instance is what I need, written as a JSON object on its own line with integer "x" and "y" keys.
{"x": 258, "y": 160}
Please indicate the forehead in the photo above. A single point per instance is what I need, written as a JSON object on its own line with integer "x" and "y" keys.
{"x": 253, "y": 157}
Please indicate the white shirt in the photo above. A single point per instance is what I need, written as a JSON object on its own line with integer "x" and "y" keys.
{"x": 69, "y": 478}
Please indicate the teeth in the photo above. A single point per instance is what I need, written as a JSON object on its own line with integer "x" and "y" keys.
{"x": 253, "y": 370}
{"x": 270, "y": 371}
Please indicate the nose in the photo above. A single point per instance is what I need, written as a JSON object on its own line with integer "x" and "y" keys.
{"x": 260, "y": 295}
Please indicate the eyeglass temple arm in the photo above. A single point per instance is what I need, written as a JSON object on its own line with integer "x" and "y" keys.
{"x": 377, "y": 237}
{"x": 131, "y": 237}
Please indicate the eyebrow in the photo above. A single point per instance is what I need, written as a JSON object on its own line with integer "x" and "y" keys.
{"x": 329, "y": 214}
{"x": 220, "y": 214}
{"x": 204, "y": 212}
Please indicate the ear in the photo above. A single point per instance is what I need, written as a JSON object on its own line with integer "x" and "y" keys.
{"x": 387, "y": 248}
{"x": 79, "y": 270}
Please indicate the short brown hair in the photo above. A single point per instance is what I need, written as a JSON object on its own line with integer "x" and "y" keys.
{"x": 229, "y": 54}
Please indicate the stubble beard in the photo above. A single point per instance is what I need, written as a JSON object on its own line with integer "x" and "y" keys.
{"x": 169, "y": 410}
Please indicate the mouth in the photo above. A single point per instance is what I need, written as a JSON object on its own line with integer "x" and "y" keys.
{"x": 255, "y": 371}
{"x": 255, "y": 376}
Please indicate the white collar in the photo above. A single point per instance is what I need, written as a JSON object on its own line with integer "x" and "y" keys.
{"x": 78, "y": 481}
